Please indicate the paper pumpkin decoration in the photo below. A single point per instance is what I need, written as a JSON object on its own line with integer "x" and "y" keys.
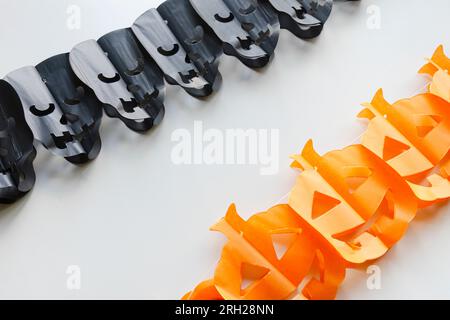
{"x": 413, "y": 137}
{"x": 350, "y": 206}
{"x": 268, "y": 256}
{"x": 353, "y": 199}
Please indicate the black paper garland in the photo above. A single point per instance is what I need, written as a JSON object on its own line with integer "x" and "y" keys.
{"x": 128, "y": 83}
{"x": 202, "y": 46}
{"x": 59, "y": 102}
{"x": 62, "y": 114}
{"x": 16, "y": 147}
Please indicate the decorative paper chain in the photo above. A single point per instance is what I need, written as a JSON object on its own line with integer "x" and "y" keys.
{"x": 60, "y": 101}
{"x": 348, "y": 207}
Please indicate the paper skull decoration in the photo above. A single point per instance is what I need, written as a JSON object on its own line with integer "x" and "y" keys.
{"x": 124, "y": 78}
{"x": 62, "y": 112}
{"x": 248, "y": 29}
{"x": 17, "y": 152}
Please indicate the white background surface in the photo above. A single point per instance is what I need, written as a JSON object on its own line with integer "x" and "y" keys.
{"x": 137, "y": 225}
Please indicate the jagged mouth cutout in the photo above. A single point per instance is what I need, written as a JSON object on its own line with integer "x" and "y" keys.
{"x": 61, "y": 142}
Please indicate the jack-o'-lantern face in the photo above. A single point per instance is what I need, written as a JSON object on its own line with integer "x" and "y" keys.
{"x": 202, "y": 47}
{"x": 258, "y": 20}
{"x": 413, "y": 137}
{"x": 242, "y": 39}
{"x": 162, "y": 45}
{"x": 16, "y": 147}
{"x": 353, "y": 199}
{"x": 143, "y": 78}
{"x": 124, "y": 79}
{"x": 63, "y": 114}
{"x": 269, "y": 256}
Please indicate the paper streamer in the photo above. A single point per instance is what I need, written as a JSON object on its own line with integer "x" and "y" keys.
{"x": 348, "y": 207}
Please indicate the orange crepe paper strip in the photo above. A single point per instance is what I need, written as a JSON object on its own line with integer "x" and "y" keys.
{"x": 413, "y": 137}
{"x": 347, "y": 207}
{"x": 438, "y": 67}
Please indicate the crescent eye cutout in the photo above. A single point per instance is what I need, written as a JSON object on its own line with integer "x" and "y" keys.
{"x": 169, "y": 53}
{"x": 134, "y": 88}
{"x": 72, "y": 102}
{"x": 104, "y": 79}
{"x": 42, "y": 113}
{"x": 139, "y": 68}
{"x": 219, "y": 18}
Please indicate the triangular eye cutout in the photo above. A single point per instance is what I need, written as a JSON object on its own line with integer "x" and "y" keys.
{"x": 355, "y": 182}
{"x": 393, "y": 148}
{"x": 422, "y": 131}
{"x": 426, "y": 123}
{"x": 355, "y": 177}
{"x": 282, "y": 242}
{"x": 250, "y": 274}
{"x": 436, "y": 118}
{"x": 322, "y": 204}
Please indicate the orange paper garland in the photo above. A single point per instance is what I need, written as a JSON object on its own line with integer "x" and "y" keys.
{"x": 347, "y": 207}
